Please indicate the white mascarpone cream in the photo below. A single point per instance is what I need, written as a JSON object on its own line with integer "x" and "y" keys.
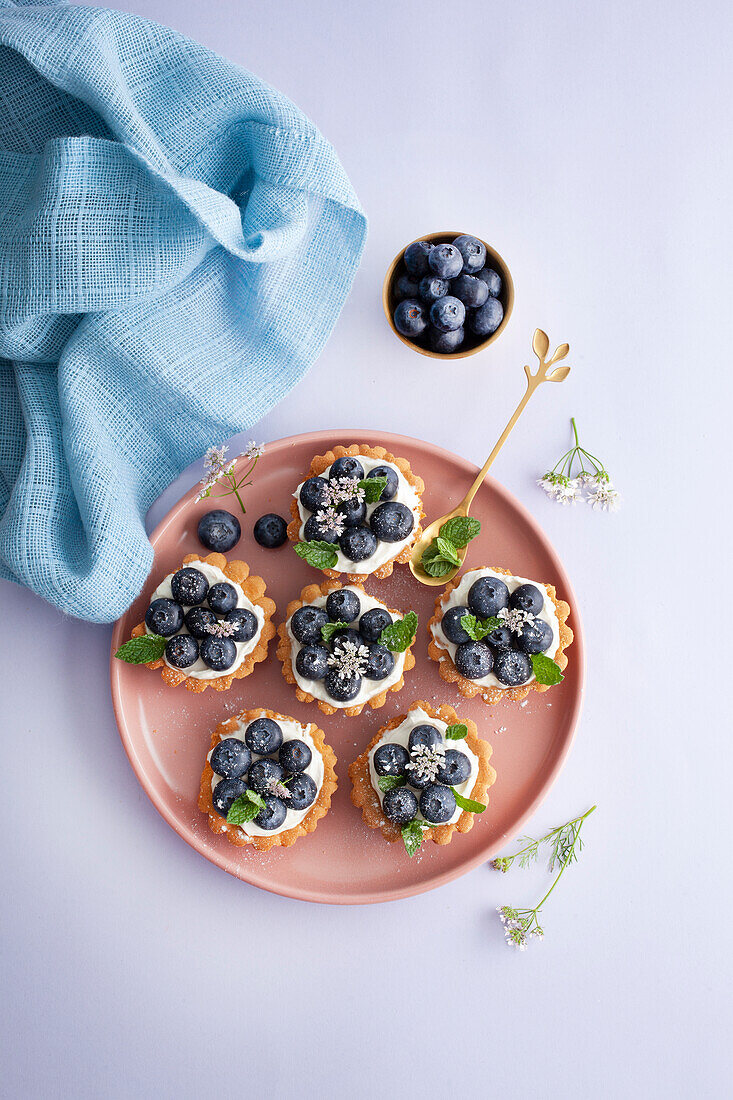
{"x": 369, "y": 688}
{"x": 459, "y": 598}
{"x": 401, "y": 736}
{"x": 198, "y": 670}
{"x": 292, "y": 731}
{"x": 385, "y": 551}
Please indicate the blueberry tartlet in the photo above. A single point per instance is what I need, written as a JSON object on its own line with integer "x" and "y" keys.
{"x": 344, "y": 525}
{"x": 499, "y": 636}
{"x": 267, "y": 779}
{"x": 419, "y": 774}
{"x": 342, "y": 648}
{"x": 216, "y": 620}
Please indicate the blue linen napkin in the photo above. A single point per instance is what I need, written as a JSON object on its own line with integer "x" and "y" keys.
{"x": 176, "y": 243}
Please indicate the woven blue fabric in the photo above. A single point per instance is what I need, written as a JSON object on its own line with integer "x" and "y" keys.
{"x": 176, "y": 242}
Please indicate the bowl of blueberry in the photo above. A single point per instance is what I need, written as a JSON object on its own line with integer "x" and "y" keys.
{"x": 448, "y": 295}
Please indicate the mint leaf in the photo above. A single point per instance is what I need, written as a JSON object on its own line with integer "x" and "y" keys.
{"x": 138, "y": 651}
{"x": 455, "y": 733}
{"x": 321, "y": 555}
{"x": 447, "y": 550}
{"x": 389, "y": 782}
{"x": 460, "y": 530}
{"x": 245, "y": 808}
{"x": 412, "y": 834}
{"x": 479, "y": 628}
{"x": 401, "y": 634}
{"x": 546, "y": 671}
{"x": 434, "y": 564}
{"x": 468, "y": 803}
{"x": 373, "y": 488}
{"x": 329, "y": 629}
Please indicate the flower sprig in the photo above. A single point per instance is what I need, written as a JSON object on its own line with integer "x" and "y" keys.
{"x": 220, "y": 470}
{"x": 523, "y": 925}
{"x": 579, "y": 475}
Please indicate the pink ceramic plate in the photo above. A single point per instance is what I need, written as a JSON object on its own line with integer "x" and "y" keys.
{"x": 166, "y": 730}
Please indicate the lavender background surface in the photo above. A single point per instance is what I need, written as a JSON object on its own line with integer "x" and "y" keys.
{"x": 588, "y": 143}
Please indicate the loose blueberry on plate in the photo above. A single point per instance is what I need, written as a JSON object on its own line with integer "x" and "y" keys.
{"x": 359, "y": 543}
{"x": 181, "y": 651}
{"x": 425, "y": 735}
{"x": 373, "y": 622}
{"x": 405, "y": 287}
{"x": 380, "y": 664}
{"x": 222, "y": 597}
{"x": 295, "y": 756}
{"x": 263, "y": 736}
{"x": 437, "y": 803}
{"x": 343, "y": 605}
{"x": 270, "y": 531}
{"x": 487, "y": 596}
{"x": 487, "y": 318}
{"x": 432, "y": 288}
{"x": 320, "y": 532}
{"x": 225, "y": 793}
{"x": 189, "y": 586}
{"x": 272, "y": 814}
{"x": 392, "y": 521}
{"x": 416, "y": 258}
{"x": 445, "y": 260}
{"x": 348, "y": 466}
{"x": 474, "y": 660}
{"x": 447, "y": 313}
{"x": 451, "y": 625}
{"x": 446, "y": 342}
{"x": 535, "y": 637}
{"x": 399, "y": 805}
{"x": 473, "y": 252}
{"x": 353, "y": 512}
{"x": 410, "y": 318}
{"x": 346, "y": 634}
{"x": 313, "y": 493}
{"x": 455, "y": 769}
{"x": 231, "y": 758}
{"x": 263, "y": 774}
{"x": 198, "y": 619}
{"x": 390, "y": 489}
{"x": 390, "y": 759}
{"x": 219, "y": 531}
{"x": 245, "y": 622}
{"x": 306, "y": 624}
{"x": 511, "y": 667}
{"x": 342, "y": 689}
{"x": 303, "y": 792}
{"x": 471, "y": 291}
{"x": 527, "y": 598}
{"x": 501, "y": 638}
{"x": 164, "y": 617}
{"x": 218, "y": 654}
{"x": 492, "y": 279}
{"x": 311, "y": 662}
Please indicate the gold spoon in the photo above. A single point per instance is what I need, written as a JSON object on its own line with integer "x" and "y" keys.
{"x": 540, "y": 346}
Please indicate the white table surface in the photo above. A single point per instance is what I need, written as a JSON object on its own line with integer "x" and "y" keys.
{"x": 590, "y": 143}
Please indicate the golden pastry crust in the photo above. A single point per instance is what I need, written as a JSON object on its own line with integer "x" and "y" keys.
{"x": 491, "y": 695}
{"x": 310, "y": 593}
{"x": 288, "y": 837}
{"x": 321, "y": 463}
{"x": 364, "y": 796}
{"x": 254, "y": 590}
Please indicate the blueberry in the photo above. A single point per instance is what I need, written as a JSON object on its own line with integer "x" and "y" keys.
{"x": 197, "y": 619}
{"x": 380, "y": 664}
{"x": 342, "y": 689}
{"x": 437, "y": 803}
{"x": 455, "y": 769}
{"x": 487, "y": 318}
{"x": 446, "y": 342}
{"x": 358, "y": 543}
{"x": 225, "y": 793}
{"x": 270, "y": 531}
{"x": 246, "y": 623}
{"x": 295, "y": 756}
{"x": 501, "y": 638}
{"x": 535, "y": 637}
{"x": 492, "y": 279}
{"x": 181, "y": 651}
{"x": 410, "y": 318}
{"x": 392, "y": 521}
{"x": 447, "y": 313}
{"x": 416, "y": 257}
{"x": 390, "y": 759}
{"x": 353, "y": 512}
{"x": 512, "y": 667}
{"x": 231, "y": 758}
{"x": 399, "y": 805}
{"x": 474, "y": 660}
{"x": 418, "y": 783}
{"x": 218, "y": 654}
{"x": 451, "y": 625}
{"x": 527, "y": 598}
{"x": 263, "y": 736}
{"x": 393, "y": 482}
{"x": 219, "y": 531}
{"x": 303, "y": 792}
{"x": 348, "y": 466}
{"x": 312, "y": 662}
{"x": 487, "y": 596}
{"x": 314, "y": 530}
{"x": 446, "y": 261}
{"x": 164, "y": 617}
{"x": 373, "y": 622}
{"x": 473, "y": 252}
{"x": 425, "y": 735}
{"x": 222, "y": 597}
{"x": 346, "y": 634}
{"x": 189, "y": 586}
{"x": 306, "y": 624}
{"x": 263, "y": 773}
{"x": 343, "y": 606}
{"x": 313, "y": 493}
{"x": 472, "y": 292}
{"x": 432, "y": 288}
{"x": 273, "y": 813}
{"x": 405, "y": 286}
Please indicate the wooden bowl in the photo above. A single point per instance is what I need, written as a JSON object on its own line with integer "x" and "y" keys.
{"x": 472, "y": 343}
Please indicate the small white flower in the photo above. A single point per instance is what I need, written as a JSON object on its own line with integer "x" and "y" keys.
{"x": 278, "y": 788}
{"x": 254, "y": 450}
{"x": 426, "y": 761}
{"x": 331, "y": 520}
{"x": 344, "y": 489}
{"x": 515, "y": 619}
{"x": 604, "y": 497}
{"x": 222, "y": 629}
{"x": 568, "y": 491}
{"x": 214, "y": 459}
{"x": 349, "y": 659}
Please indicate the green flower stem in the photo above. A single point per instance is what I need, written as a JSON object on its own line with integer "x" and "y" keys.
{"x": 566, "y": 861}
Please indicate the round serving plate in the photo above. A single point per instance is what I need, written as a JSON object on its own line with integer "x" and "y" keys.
{"x": 166, "y": 730}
